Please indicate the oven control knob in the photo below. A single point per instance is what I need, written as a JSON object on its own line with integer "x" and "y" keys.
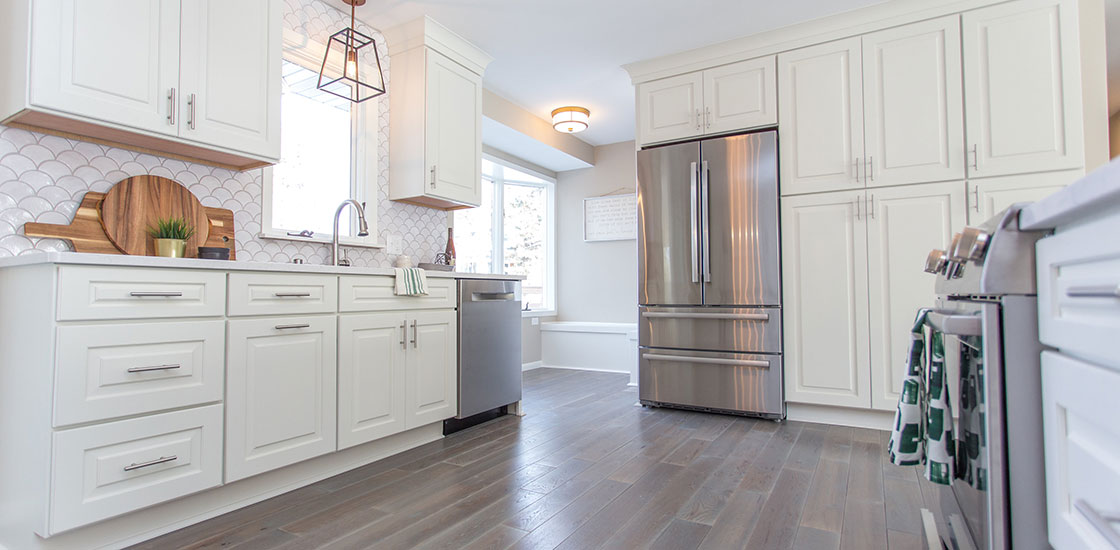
{"x": 954, "y": 251}
{"x": 936, "y": 261}
{"x": 973, "y": 245}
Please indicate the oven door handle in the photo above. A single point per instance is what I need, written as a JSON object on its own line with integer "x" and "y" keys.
{"x": 1100, "y": 522}
{"x": 956, "y": 325}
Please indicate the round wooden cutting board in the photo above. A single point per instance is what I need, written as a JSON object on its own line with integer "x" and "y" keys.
{"x": 134, "y": 204}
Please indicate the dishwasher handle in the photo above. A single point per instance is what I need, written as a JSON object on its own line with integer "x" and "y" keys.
{"x": 492, "y": 297}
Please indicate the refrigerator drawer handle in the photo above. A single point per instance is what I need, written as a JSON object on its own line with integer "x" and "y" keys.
{"x": 707, "y": 360}
{"x": 730, "y": 316}
{"x": 956, "y": 325}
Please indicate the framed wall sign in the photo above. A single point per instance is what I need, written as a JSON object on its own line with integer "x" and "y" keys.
{"x": 610, "y": 218}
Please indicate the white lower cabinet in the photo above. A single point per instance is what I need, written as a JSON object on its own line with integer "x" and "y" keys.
{"x": 105, "y": 470}
{"x": 432, "y": 368}
{"x": 853, "y": 280}
{"x": 371, "y": 376}
{"x": 280, "y": 392}
{"x": 990, "y": 196}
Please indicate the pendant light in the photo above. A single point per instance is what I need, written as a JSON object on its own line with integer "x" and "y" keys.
{"x": 570, "y": 120}
{"x": 339, "y": 74}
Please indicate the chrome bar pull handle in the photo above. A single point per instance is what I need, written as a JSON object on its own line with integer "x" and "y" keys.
{"x": 975, "y": 158}
{"x": 292, "y": 294}
{"x": 858, "y": 217}
{"x": 708, "y": 117}
{"x": 1094, "y": 291}
{"x": 855, "y": 168}
{"x": 160, "y": 460}
{"x": 870, "y": 171}
{"x": 415, "y": 335}
{"x": 404, "y": 334}
{"x": 432, "y": 183}
{"x": 694, "y": 200}
{"x": 192, "y": 104}
{"x": 698, "y": 123}
{"x": 975, "y": 198}
{"x": 171, "y": 107}
{"x": 1103, "y": 524}
{"x": 292, "y": 327}
{"x": 705, "y": 234}
{"x": 155, "y": 294}
{"x": 153, "y": 368}
{"x": 871, "y": 207}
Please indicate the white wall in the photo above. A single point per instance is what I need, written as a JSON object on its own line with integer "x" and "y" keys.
{"x": 596, "y": 281}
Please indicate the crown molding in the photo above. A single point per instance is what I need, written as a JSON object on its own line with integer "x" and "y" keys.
{"x": 425, "y": 31}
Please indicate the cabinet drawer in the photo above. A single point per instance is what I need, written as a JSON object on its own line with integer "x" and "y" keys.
{"x": 375, "y": 293}
{"x": 281, "y": 294}
{"x": 1079, "y": 291}
{"x": 86, "y": 293}
{"x": 1082, "y": 450}
{"x": 110, "y": 469}
{"x": 112, "y": 370}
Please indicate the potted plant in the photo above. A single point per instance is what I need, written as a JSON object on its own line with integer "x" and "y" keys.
{"x": 171, "y": 236}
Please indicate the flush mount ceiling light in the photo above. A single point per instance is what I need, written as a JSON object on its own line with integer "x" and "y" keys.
{"x": 570, "y": 119}
{"x": 346, "y": 49}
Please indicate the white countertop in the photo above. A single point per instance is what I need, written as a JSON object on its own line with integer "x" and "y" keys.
{"x": 81, "y": 258}
{"x": 1097, "y": 192}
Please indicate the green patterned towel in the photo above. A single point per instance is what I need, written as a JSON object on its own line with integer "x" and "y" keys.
{"x": 923, "y": 423}
{"x": 411, "y": 281}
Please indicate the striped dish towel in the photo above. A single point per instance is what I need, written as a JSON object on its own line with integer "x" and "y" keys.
{"x": 411, "y": 281}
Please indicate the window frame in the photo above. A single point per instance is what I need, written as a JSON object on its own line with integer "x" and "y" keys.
{"x": 364, "y": 142}
{"x": 497, "y": 227}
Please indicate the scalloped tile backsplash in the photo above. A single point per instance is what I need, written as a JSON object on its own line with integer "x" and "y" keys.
{"x": 43, "y": 178}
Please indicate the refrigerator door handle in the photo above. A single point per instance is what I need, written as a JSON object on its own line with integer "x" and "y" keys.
{"x": 693, "y": 224}
{"x": 704, "y": 233}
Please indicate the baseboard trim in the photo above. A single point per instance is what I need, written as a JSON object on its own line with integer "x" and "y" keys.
{"x": 612, "y": 371}
{"x": 531, "y": 365}
{"x": 840, "y": 416}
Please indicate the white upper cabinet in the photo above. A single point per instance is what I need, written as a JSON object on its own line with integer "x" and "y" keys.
{"x": 903, "y": 225}
{"x": 824, "y": 283}
{"x": 1022, "y": 82}
{"x": 720, "y": 100}
{"x": 820, "y": 117}
{"x": 740, "y": 95}
{"x": 192, "y": 79}
{"x": 229, "y": 80}
{"x": 670, "y": 108}
{"x": 117, "y": 61}
{"x": 913, "y": 114}
{"x": 435, "y": 98}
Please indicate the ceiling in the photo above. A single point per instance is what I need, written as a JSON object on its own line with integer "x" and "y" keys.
{"x": 550, "y": 53}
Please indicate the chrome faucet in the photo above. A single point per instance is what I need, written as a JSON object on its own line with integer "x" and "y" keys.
{"x": 363, "y": 229}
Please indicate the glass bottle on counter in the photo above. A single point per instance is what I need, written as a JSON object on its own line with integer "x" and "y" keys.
{"x": 450, "y": 250}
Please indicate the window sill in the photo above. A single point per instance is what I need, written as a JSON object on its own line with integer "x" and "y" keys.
{"x": 318, "y": 239}
{"x": 538, "y": 313}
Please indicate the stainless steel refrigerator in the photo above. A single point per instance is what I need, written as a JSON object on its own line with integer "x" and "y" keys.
{"x": 709, "y": 276}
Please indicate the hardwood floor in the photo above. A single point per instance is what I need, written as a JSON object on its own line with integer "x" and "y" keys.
{"x": 587, "y": 468}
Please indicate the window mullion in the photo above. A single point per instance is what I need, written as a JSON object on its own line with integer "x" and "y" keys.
{"x": 498, "y": 222}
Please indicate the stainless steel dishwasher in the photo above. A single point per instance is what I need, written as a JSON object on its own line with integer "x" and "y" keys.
{"x": 489, "y": 345}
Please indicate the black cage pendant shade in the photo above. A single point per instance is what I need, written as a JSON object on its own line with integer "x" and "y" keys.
{"x": 340, "y": 73}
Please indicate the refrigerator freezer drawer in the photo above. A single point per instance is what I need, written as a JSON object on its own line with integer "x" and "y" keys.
{"x": 727, "y": 329}
{"x": 725, "y": 382}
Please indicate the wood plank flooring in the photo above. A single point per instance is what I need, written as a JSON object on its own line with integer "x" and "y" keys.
{"x": 587, "y": 468}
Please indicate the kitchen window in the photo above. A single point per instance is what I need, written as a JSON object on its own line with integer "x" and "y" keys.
{"x": 328, "y": 153}
{"x": 513, "y": 231}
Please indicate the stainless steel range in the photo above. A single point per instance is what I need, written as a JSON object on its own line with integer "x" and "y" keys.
{"x": 988, "y": 313}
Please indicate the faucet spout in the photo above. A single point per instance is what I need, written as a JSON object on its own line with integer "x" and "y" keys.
{"x": 363, "y": 227}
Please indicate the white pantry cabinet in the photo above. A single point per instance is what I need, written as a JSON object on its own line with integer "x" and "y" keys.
{"x": 192, "y": 79}
{"x": 990, "y": 196}
{"x": 878, "y": 110}
{"x": 433, "y": 393}
{"x": 903, "y": 225}
{"x": 719, "y": 100}
{"x": 852, "y": 281}
{"x": 435, "y": 99}
{"x": 1022, "y": 84}
{"x": 280, "y": 392}
{"x": 371, "y": 376}
{"x": 824, "y": 284}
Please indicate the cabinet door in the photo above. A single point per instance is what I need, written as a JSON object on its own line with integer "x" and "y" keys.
{"x": 824, "y": 280}
{"x": 669, "y": 109}
{"x": 432, "y": 368}
{"x": 453, "y": 131}
{"x": 741, "y": 95}
{"x": 111, "y": 60}
{"x": 371, "y": 377}
{"x": 913, "y": 114}
{"x": 1022, "y": 83}
{"x": 280, "y": 392}
{"x": 231, "y": 74}
{"x": 990, "y": 196}
{"x": 903, "y": 225}
{"x": 820, "y": 112}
